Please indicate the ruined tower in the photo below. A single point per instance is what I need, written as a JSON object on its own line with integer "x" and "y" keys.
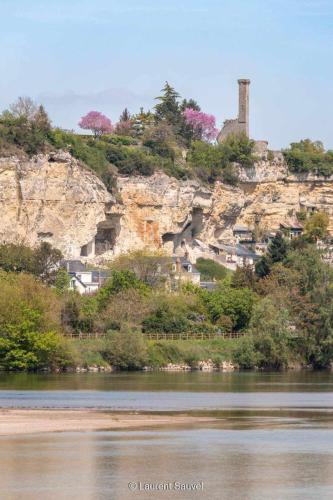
{"x": 240, "y": 124}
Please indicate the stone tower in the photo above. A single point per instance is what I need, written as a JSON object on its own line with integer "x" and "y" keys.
{"x": 243, "y": 106}
{"x": 240, "y": 124}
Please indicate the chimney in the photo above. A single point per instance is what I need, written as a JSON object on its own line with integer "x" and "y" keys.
{"x": 243, "y": 109}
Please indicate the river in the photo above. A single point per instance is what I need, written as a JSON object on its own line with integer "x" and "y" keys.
{"x": 273, "y": 437}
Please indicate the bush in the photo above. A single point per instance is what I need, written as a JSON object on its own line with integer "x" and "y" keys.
{"x": 307, "y": 156}
{"x": 126, "y": 350}
{"x": 230, "y": 307}
{"x": 245, "y": 354}
{"x": 217, "y": 162}
{"x": 164, "y": 319}
{"x": 22, "y": 348}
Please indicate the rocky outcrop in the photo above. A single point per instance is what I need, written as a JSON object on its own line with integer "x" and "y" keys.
{"x": 54, "y": 198}
{"x": 50, "y": 198}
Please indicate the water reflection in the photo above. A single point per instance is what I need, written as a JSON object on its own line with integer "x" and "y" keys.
{"x": 233, "y": 464}
{"x": 305, "y": 381}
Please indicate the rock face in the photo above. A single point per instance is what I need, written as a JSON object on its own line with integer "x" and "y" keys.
{"x": 50, "y": 198}
{"x": 53, "y": 198}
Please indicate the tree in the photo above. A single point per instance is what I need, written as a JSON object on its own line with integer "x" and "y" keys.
{"x": 125, "y": 116}
{"x": 262, "y": 267}
{"x": 150, "y": 267}
{"x": 191, "y": 103}
{"x": 278, "y": 248}
{"x": 42, "y": 261}
{"x": 41, "y": 120}
{"x": 244, "y": 277}
{"x": 315, "y": 228}
{"x": 126, "y": 350}
{"x": 125, "y": 124}
{"x": 119, "y": 281}
{"x": 203, "y": 125}
{"x": 61, "y": 281}
{"x": 232, "y": 303}
{"x": 16, "y": 258}
{"x": 98, "y": 123}
{"x": 168, "y": 107}
{"x": 46, "y": 262}
{"x": 24, "y": 107}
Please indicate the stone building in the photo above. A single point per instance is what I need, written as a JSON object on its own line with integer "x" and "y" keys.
{"x": 241, "y": 124}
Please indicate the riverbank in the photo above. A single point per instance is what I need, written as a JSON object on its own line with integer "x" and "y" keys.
{"x": 19, "y": 421}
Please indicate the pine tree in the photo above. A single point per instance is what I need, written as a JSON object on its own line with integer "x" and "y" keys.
{"x": 168, "y": 108}
{"x": 42, "y": 120}
{"x": 191, "y": 103}
{"x": 125, "y": 116}
{"x": 278, "y": 248}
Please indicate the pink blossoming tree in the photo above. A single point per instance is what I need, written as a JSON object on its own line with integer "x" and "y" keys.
{"x": 98, "y": 123}
{"x": 202, "y": 124}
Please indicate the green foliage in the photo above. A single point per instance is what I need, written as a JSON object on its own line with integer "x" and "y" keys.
{"x": 29, "y": 324}
{"x": 312, "y": 271}
{"x": 164, "y": 319}
{"x": 245, "y": 354}
{"x": 126, "y": 350}
{"x": 168, "y": 107}
{"x": 315, "y": 227}
{"x": 119, "y": 281}
{"x": 307, "y": 156}
{"x": 231, "y": 304}
{"x": 277, "y": 249}
{"x": 277, "y": 252}
{"x": 42, "y": 261}
{"x": 22, "y": 348}
{"x": 216, "y": 162}
{"x": 244, "y": 277}
{"x": 210, "y": 270}
{"x": 61, "y": 281}
{"x": 151, "y": 267}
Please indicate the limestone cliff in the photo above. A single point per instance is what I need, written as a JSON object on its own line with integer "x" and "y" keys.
{"x": 53, "y": 198}
{"x": 50, "y": 198}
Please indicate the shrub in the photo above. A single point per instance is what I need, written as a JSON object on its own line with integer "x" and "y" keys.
{"x": 307, "y": 156}
{"x": 126, "y": 350}
{"x": 245, "y": 354}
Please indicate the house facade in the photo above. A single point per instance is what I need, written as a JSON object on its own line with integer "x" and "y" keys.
{"x": 83, "y": 280}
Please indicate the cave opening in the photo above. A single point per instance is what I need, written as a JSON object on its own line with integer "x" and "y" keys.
{"x": 105, "y": 238}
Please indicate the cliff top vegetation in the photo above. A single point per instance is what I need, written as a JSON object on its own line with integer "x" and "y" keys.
{"x": 177, "y": 137}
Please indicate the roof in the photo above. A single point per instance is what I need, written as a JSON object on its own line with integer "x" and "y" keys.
{"x": 74, "y": 266}
{"x": 239, "y": 250}
{"x": 241, "y": 229}
{"x": 291, "y": 225}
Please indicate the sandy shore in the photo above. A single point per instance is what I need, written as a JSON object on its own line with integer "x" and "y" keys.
{"x": 35, "y": 421}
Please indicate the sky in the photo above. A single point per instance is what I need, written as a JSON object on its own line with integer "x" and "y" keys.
{"x": 74, "y": 56}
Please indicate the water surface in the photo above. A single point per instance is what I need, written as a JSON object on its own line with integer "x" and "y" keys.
{"x": 273, "y": 437}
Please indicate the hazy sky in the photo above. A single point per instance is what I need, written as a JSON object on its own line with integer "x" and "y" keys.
{"x": 78, "y": 55}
